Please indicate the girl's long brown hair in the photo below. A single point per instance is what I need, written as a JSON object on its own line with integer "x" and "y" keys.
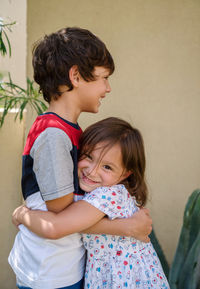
{"x": 114, "y": 130}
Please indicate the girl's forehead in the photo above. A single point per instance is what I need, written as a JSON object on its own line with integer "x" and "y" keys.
{"x": 103, "y": 146}
{"x": 107, "y": 149}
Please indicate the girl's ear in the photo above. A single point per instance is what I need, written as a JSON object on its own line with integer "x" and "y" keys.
{"x": 127, "y": 174}
{"x": 74, "y": 75}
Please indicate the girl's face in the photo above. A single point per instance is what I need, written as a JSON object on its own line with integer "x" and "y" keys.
{"x": 101, "y": 167}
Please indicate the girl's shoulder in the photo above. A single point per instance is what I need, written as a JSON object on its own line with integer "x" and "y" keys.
{"x": 114, "y": 201}
{"x": 114, "y": 191}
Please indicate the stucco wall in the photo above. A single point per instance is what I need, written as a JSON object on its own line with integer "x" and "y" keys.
{"x": 11, "y": 137}
{"x": 155, "y": 45}
{"x": 11, "y": 145}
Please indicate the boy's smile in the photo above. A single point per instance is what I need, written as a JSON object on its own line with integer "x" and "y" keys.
{"x": 102, "y": 167}
{"x": 91, "y": 93}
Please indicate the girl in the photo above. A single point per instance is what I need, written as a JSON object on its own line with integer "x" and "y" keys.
{"x": 111, "y": 172}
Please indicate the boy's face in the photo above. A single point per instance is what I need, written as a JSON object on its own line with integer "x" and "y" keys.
{"x": 91, "y": 93}
{"x": 102, "y": 167}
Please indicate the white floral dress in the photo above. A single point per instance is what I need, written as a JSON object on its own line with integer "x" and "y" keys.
{"x": 115, "y": 262}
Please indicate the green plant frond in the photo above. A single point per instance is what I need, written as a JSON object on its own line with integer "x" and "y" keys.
{"x": 39, "y": 109}
{"x": 2, "y": 47}
{"x": 14, "y": 96}
{"x": 8, "y": 42}
{"x": 11, "y": 94}
{"x": 43, "y": 105}
{"x": 22, "y": 107}
{"x": 6, "y": 25}
{"x": 4, "y": 37}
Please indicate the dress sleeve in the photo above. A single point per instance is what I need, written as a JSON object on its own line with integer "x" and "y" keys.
{"x": 53, "y": 164}
{"x": 110, "y": 200}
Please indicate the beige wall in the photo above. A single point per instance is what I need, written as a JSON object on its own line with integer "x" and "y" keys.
{"x": 11, "y": 137}
{"x": 11, "y": 144}
{"x": 155, "y": 45}
{"x": 12, "y": 10}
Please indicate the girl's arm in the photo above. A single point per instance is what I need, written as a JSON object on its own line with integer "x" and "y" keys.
{"x": 138, "y": 226}
{"x": 75, "y": 218}
{"x": 82, "y": 216}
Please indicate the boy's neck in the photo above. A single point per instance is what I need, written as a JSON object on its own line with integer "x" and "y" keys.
{"x": 66, "y": 110}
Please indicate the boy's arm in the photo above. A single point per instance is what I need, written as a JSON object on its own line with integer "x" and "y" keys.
{"x": 53, "y": 168}
{"x": 60, "y": 204}
{"x": 75, "y": 218}
{"x": 138, "y": 226}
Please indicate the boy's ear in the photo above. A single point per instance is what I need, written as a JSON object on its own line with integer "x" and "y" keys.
{"x": 74, "y": 75}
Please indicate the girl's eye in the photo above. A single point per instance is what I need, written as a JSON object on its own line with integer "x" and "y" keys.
{"x": 107, "y": 167}
{"x": 88, "y": 156}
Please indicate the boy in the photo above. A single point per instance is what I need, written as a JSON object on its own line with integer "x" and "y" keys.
{"x": 72, "y": 68}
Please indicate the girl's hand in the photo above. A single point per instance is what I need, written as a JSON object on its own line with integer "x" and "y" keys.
{"x": 18, "y": 214}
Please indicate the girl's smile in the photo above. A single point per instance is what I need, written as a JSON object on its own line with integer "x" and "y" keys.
{"x": 102, "y": 167}
{"x": 87, "y": 179}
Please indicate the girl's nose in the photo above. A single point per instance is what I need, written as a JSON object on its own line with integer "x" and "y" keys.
{"x": 93, "y": 171}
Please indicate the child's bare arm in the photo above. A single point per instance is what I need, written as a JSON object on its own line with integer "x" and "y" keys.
{"x": 75, "y": 218}
{"x": 57, "y": 205}
{"x": 138, "y": 226}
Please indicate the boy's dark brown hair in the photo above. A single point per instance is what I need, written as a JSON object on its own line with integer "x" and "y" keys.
{"x": 113, "y": 130}
{"x": 54, "y": 55}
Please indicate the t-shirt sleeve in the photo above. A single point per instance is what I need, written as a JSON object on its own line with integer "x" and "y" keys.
{"x": 109, "y": 200}
{"x": 53, "y": 164}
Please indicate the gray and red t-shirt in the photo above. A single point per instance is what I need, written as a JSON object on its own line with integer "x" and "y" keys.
{"x": 49, "y": 171}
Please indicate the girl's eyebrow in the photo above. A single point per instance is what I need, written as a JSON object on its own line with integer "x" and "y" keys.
{"x": 110, "y": 164}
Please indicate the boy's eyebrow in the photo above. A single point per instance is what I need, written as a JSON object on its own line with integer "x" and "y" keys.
{"x": 105, "y": 74}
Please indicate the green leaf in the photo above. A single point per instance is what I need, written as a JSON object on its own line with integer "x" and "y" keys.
{"x": 188, "y": 235}
{"x": 8, "y": 42}
{"x": 14, "y": 96}
{"x": 22, "y": 107}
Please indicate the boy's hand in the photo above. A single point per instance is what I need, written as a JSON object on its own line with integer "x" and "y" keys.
{"x": 18, "y": 214}
{"x": 142, "y": 225}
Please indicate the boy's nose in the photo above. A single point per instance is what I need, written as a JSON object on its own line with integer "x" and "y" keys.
{"x": 108, "y": 87}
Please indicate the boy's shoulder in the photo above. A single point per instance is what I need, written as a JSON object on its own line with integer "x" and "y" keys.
{"x": 52, "y": 120}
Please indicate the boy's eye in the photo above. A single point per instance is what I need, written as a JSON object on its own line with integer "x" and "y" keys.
{"x": 107, "y": 167}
